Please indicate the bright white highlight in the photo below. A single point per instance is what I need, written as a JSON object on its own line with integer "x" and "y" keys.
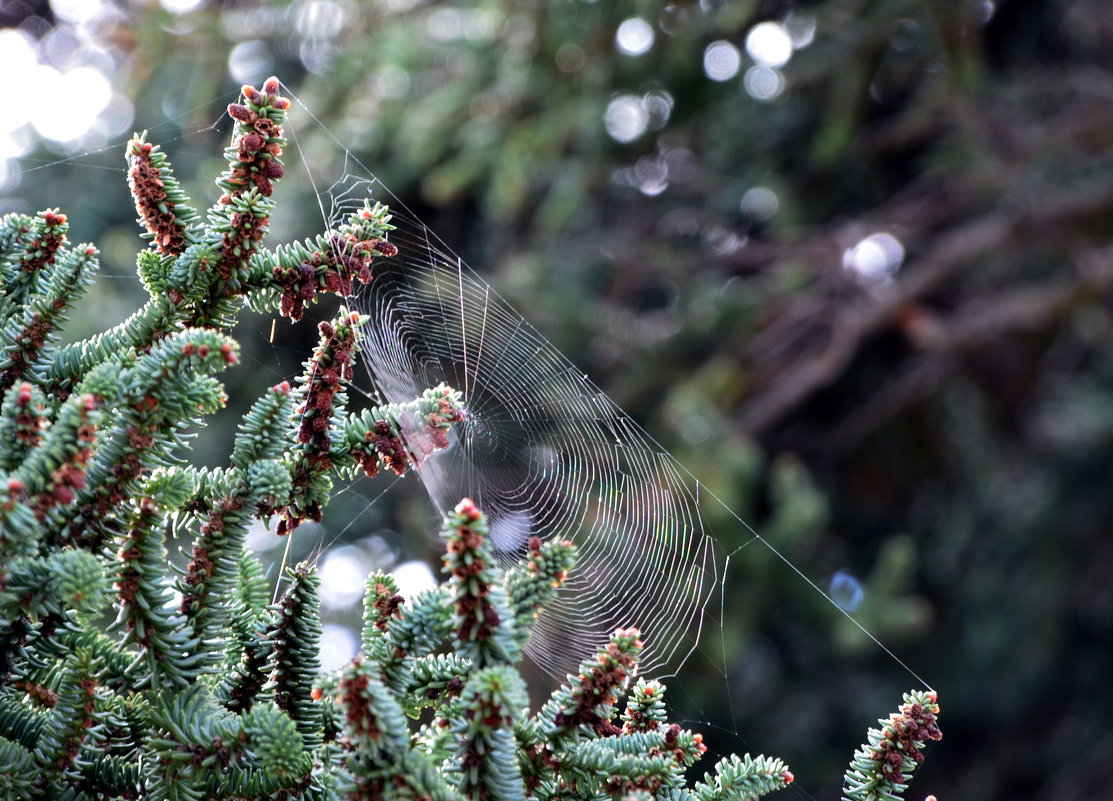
{"x": 180, "y": 6}
{"x": 338, "y": 646}
{"x": 17, "y": 57}
{"x": 626, "y": 118}
{"x": 87, "y": 92}
{"x": 343, "y": 574}
{"x": 769, "y": 44}
{"x": 250, "y": 61}
{"x": 634, "y": 37}
{"x": 721, "y": 61}
{"x": 413, "y": 577}
{"x": 76, "y": 11}
{"x": 875, "y": 258}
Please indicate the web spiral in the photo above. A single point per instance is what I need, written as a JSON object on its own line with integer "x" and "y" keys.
{"x": 543, "y": 451}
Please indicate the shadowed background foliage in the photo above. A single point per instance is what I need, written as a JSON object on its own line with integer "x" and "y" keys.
{"x": 854, "y": 269}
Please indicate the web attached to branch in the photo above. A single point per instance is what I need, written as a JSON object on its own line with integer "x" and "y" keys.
{"x": 545, "y": 453}
{"x": 542, "y": 451}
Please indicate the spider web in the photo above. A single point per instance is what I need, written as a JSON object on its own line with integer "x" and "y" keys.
{"x": 544, "y": 451}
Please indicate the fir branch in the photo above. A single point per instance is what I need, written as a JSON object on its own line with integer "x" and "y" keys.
{"x": 52, "y": 586}
{"x": 432, "y": 681}
{"x": 23, "y": 417}
{"x": 533, "y": 582}
{"x": 261, "y": 435}
{"x": 587, "y": 706}
{"x": 50, "y": 476}
{"x": 321, "y": 400}
{"x": 246, "y": 664}
{"x": 398, "y": 436}
{"x": 206, "y": 587}
{"x": 164, "y": 391}
{"x": 381, "y": 603}
{"x": 487, "y": 754}
{"x": 295, "y": 639}
{"x": 645, "y": 708}
{"x": 68, "y": 724}
{"x": 163, "y": 208}
{"x": 70, "y": 364}
{"x": 378, "y": 758}
{"x": 18, "y": 771}
{"x": 329, "y": 263}
{"x": 482, "y": 622}
{"x": 31, "y": 245}
{"x": 169, "y": 654}
{"x": 420, "y": 628}
{"x": 24, "y": 337}
{"x": 741, "y": 778}
{"x": 882, "y": 768}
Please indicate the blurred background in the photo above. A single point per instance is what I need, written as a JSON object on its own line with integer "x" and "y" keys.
{"x": 851, "y": 262}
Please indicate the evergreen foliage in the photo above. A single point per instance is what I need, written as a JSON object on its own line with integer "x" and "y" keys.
{"x": 201, "y": 689}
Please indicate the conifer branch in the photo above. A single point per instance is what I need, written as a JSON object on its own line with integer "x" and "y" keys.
{"x": 882, "y": 768}
{"x": 295, "y": 639}
{"x": 482, "y": 622}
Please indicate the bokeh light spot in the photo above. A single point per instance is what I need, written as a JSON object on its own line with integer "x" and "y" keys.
{"x": 846, "y": 591}
{"x": 413, "y": 577}
{"x": 651, "y": 175}
{"x": 658, "y": 105}
{"x": 343, "y": 573}
{"x": 626, "y": 118}
{"x": 250, "y": 61}
{"x": 721, "y": 61}
{"x": 875, "y": 258}
{"x": 76, "y": 11}
{"x": 320, "y": 19}
{"x": 769, "y": 44}
{"x": 634, "y": 37}
{"x": 760, "y": 203}
{"x": 338, "y": 646}
{"x": 570, "y": 58}
{"x": 87, "y": 92}
{"x": 801, "y": 29}
{"x": 180, "y": 6}
{"x": 763, "y": 83}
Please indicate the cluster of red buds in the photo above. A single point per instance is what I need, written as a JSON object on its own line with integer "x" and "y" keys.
{"x": 330, "y": 366}
{"x": 29, "y": 343}
{"x": 601, "y": 683}
{"x": 42, "y": 250}
{"x": 259, "y": 143}
{"x": 908, "y": 729}
{"x": 346, "y": 260}
{"x": 29, "y": 422}
{"x": 69, "y": 477}
{"x": 156, "y": 208}
{"x": 478, "y": 618}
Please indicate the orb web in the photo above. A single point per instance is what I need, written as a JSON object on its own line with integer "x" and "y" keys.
{"x": 542, "y": 450}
